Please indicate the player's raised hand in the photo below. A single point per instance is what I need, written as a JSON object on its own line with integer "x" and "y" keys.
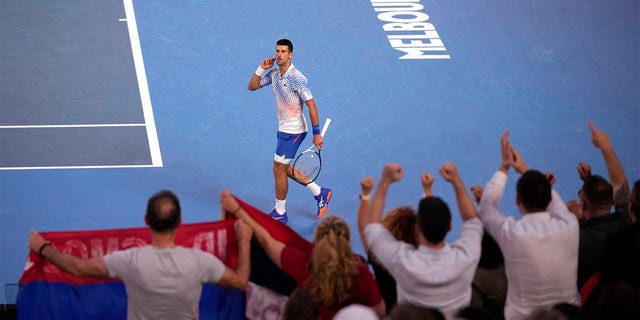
{"x": 267, "y": 63}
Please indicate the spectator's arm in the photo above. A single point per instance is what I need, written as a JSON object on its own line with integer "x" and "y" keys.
{"x": 94, "y": 267}
{"x": 505, "y": 152}
{"x": 465, "y": 205}
{"x": 615, "y": 170}
{"x": 272, "y": 247}
{"x": 392, "y": 172}
{"x": 427, "y": 183}
{"x": 557, "y": 207}
{"x": 477, "y": 193}
{"x": 366, "y": 185}
{"x": 488, "y": 210}
{"x": 239, "y": 278}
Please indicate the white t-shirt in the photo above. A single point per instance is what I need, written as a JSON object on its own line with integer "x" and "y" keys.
{"x": 540, "y": 251}
{"x": 291, "y": 91}
{"x": 427, "y": 277}
{"x": 163, "y": 283}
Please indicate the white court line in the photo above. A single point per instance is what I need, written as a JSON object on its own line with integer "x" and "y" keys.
{"x": 80, "y": 167}
{"x": 150, "y": 125}
{"x": 154, "y": 144}
{"x": 41, "y": 126}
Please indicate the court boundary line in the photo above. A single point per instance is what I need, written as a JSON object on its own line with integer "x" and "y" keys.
{"x": 145, "y": 99}
{"x": 45, "y": 126}
{"x": 80, "y": 167}
{"x": 143, "y": 86}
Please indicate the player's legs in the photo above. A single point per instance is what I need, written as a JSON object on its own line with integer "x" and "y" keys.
{"x": 281, "y": 179}
{"x": 286, "y": 150}
{"x": 321, "y": 194}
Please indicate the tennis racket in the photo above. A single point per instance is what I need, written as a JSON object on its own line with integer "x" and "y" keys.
{"x": 307, "y": 165}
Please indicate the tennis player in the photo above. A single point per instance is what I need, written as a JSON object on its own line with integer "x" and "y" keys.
{"x": 291, "y": 90}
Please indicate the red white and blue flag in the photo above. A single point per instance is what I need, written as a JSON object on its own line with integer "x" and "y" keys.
{"x": 46, "y": 292}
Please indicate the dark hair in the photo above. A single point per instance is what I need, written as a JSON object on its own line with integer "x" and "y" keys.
{"x": 534, "y": 191}
{"x": 163, "y": 211}
{"x": 301, "y": 305}
{"x": 434, "y": 219}
{"x": 285, "y": 42}
{"x": 597, "y": 191}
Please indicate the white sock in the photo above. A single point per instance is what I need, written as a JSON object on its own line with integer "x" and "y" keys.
{"x": 280, "y": 206}
{"x": 315, "y": 189}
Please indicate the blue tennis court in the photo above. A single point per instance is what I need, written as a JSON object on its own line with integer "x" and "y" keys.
{"x": 419, "y": 84}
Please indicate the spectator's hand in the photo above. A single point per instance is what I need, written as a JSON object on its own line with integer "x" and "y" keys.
{"x": 518, "y": 162}
{"x": 551, "y": 177}
{"x": 505, "y": 150}
{"x": 449, "y": 172}
{"x": 392, "y": 172}
{"x": 477, "y": 192}
{"x": 427, "y": 182}
{"x": 243, "y": 231}
{"x": 584, "y": 170}
{"x": 228, "y": 202}
{"x": 36, "y": 241}
{"x": 366, "y": 185}
{"x": 599, "y": 138}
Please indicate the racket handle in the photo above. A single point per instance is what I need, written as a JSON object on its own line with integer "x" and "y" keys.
{"x": 325, "y": 127}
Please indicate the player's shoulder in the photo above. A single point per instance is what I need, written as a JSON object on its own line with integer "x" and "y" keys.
{"x": 297, "y": 75}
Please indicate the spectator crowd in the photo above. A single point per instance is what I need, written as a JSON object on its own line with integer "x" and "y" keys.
{"x": 555, "y": 259}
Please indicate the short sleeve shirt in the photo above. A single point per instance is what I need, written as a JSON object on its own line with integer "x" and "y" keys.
{"x": 291, "y": 91}
{"x": 163, "y": 283}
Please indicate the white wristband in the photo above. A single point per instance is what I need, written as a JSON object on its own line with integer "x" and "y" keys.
{"x": 261, "y": 72}
{"x": 364, "y": 197}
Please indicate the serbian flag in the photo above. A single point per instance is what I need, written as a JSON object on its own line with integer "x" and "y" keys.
{"x": 46, "y": 292}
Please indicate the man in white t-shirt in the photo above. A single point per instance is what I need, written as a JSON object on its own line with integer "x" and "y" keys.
{"x": 436, "y": 274}
{"x": 291, "y": 91}
{"x": 162, "y": 280}
{"x": 540, "y": 249}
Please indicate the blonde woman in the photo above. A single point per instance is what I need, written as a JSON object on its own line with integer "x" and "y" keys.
{"x": 335, "y": 276}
